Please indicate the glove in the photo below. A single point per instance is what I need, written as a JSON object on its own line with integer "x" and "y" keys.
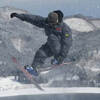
{"x": 58, "y": 60}
{"x": 13, "y": 15}
{"x": 54, "y": 62}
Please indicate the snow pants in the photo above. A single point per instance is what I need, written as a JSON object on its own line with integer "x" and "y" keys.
{"x": 51, "y": 48}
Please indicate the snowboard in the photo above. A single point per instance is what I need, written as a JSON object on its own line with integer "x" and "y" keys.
{"x": 30, "y": 77}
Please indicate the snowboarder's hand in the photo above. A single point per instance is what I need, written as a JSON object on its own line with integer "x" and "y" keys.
{"x": 59, "y": 59}
{"x": 13, "y": 15}
{"x": 54, "y": 62}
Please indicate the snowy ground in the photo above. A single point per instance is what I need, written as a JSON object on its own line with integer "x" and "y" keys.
{"x": 34, "y": 91}
{"x": 9, "y": 87}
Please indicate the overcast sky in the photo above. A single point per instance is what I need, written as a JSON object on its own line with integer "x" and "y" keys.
{"x": 69, "y": 7}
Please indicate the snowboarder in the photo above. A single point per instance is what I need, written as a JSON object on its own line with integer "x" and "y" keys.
{"x": 59, "y": 38}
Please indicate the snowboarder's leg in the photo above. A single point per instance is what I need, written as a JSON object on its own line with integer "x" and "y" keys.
{"x": 51, "y": 48}
{"x": 41, "y": 55}
{"x": 55, "y": 46}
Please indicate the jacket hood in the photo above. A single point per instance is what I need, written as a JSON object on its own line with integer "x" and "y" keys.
{"x": 60, "y": 15}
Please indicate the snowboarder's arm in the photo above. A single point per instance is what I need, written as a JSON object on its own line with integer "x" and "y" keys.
{"x": 33, "y": 19}
{"x": 66, "y": 42}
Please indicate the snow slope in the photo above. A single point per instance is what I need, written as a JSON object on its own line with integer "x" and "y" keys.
{"x": 96, "y": 22}
{"x": 79, "y": 24}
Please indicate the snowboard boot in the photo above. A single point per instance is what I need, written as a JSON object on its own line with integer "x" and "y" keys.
{"x": 31, "y": 70}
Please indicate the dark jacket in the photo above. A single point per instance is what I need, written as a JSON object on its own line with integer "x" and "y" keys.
{"x": 62, "y": 31}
